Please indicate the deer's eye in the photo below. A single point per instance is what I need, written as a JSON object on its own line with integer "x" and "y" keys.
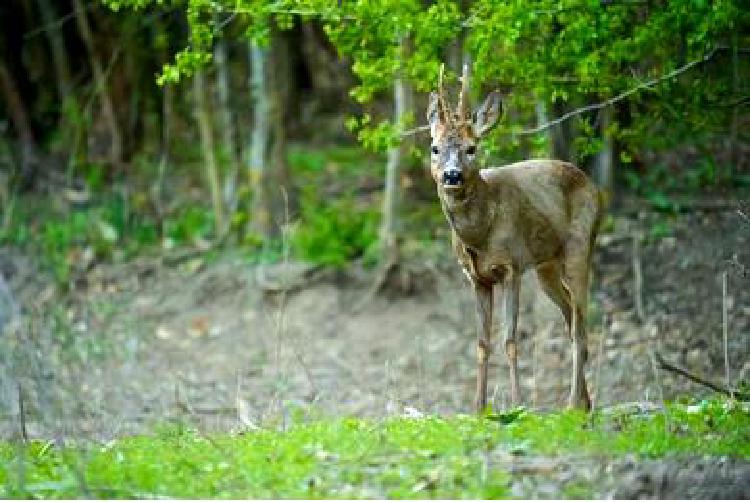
{"x": 435, "y": 150}
{"x": 471, "y": 150}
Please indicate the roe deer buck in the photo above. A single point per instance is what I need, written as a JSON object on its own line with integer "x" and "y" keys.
{"x": 540, "y": 214}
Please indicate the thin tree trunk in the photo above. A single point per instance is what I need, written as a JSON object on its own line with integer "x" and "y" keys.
{"x": 257, "y": 160}
{"x": 604, "y": 162}
{"x": 164, "y": 157}
{"x": 226, "y": 123}
{"x": 57, "y": 46}
{"x": 108, "y": 109}
{"x": 388, "y": 229}
{"x": 734, "y": 133}
{"x": 389, "y": 226}
{"x": 560, "y": 133}
{"x": 543, "y": 118}
{"x": 20, "y": 118}
{"x": 267, "y": 168}
{"x": 209, "y": 150}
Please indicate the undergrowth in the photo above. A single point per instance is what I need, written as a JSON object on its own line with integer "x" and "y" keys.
{"x": 431, "y": 457}
{"x": 336, "y": 221}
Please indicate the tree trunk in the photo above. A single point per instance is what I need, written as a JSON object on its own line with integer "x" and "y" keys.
{"x": 57, "y": 47}
{"x": 543, "y": 118}
{"x": 209, "y": 151}
{"x": 20, "y": 118}
{"x": 100, "y": 81}
{"x": 604, "y": 161}
{"x": 734, "y": 153}
{"x": 389, "y": 229}
{"x": 274, "y": 198}
{"x": 157, "y": 189}
{"x": 560, "y": 134}
{"x": 226, "y": 123}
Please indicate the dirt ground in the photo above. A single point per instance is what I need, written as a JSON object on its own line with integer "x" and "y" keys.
{"x": 225, "y": 345}
{"x": 229, "y": 345}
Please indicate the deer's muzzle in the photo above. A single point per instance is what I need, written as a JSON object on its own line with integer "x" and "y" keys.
{"x": 452, "y": 177}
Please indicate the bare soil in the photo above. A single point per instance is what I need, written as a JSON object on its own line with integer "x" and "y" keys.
{"x": 201, "y": 336}
{"x": 227, "y": 345}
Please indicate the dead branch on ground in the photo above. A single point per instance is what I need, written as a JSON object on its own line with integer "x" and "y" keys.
{"x": 733, "y": 393}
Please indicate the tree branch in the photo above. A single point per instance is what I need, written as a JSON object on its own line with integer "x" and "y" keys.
{"x": 621, "y": 96}
{"x": 733, "y": 393}
{"x": 597, "y": 106}
{"x": 416, "y": 130}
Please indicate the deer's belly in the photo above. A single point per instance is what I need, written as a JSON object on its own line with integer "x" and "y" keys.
{"x": 490, "y": 267}
{"x": 495, "y": 265}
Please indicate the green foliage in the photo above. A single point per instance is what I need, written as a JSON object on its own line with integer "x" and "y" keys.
{"x": 429, "y": 457}
{"x": 334, "y": 225}
{"x": 188, "y": 224}
{"x": 335, "y": 232}
{"x": 69, "y": 240}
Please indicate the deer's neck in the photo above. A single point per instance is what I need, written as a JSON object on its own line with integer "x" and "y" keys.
{"x": 470, "y": 212}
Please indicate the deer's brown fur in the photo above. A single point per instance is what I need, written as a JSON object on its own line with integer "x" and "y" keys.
{"x": 539, "y": 214}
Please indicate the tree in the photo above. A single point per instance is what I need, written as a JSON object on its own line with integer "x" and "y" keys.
{"x": 100, "y": 81}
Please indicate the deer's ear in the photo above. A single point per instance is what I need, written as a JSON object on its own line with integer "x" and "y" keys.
{"x": 485, "y": 118}
{"x": 434, "y": 113}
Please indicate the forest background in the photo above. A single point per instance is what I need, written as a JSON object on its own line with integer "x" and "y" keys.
{"x": 128, "y": 105}
{"x": 218, "y": 214}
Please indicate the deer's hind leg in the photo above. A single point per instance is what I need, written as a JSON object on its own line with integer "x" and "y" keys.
{"x": 575, "y": 280}
{"x": 550, "y": 279}
{"x": 563, "y": 289}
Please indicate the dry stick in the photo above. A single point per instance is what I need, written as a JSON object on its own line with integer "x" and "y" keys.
{"x": 725, "y": 327}
{"x": 420, "y": 374}
{"x": 736, "y": 394}
{"x": 534, "y": 368}
{"x": 597, "y": 400}
{"x": 637, "y": 277}
{"x": 22, "y": 415}
{"x": 597, "y": 106}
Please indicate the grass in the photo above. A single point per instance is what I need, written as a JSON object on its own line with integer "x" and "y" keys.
{"x": 432, "y": 457}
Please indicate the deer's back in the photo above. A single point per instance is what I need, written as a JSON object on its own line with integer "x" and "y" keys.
{"x": 540, "y": 204}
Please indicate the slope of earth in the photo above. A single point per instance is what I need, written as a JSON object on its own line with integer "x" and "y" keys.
{"x": 226, "y": 345}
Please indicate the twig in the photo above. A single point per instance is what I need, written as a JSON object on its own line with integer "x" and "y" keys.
{"x": 22, "y": 415}
{"x": 599, "y": 358}
{"x": 733, "y": 393}
{"x": 416, "y": 130}
{"x": 637, "y": 277}
{"x": 652, "y": 358}
{"x": 724, "y": 325}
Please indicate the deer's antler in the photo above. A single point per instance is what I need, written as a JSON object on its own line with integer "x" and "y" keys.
{"x": 462, "y": 110}
{"x": 442, "y": 102}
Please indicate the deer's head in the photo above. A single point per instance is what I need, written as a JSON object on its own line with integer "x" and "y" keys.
{"x": 455, "y": 134}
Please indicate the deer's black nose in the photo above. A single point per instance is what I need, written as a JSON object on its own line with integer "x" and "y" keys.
{"x": 452, "y": 177}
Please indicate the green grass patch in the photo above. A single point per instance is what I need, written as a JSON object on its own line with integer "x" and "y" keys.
{"x": 456, "y": 457}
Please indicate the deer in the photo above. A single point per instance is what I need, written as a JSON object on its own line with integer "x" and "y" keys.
{"x": 537, "y": 214}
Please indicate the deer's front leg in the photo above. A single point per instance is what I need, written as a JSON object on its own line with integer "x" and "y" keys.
{"x": 484, "y": 341}
{"x": 511, "y": 287}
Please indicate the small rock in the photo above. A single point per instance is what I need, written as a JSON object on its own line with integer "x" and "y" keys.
{"x": 745, "y": 372}
{"x": 695, "y": 358}
{"x": 163, "y": 333}
{"x": 620, "y": 327}
{"x": 667, "y": 244}
{"x": 517, "y": 490}
{"x": 199, "y": 327}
